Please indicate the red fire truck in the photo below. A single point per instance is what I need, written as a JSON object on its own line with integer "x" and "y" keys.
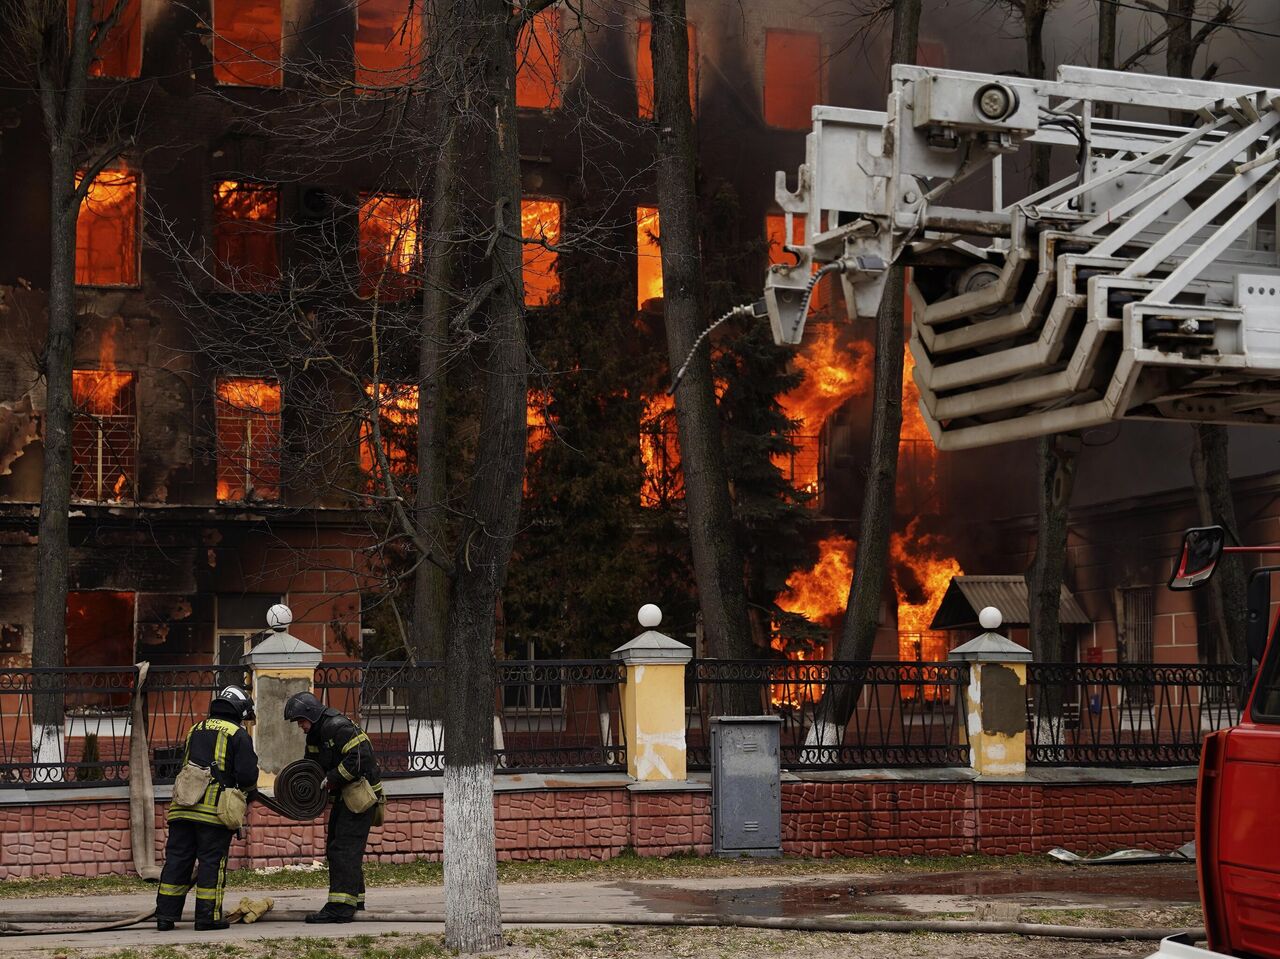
{"x": 1237, "y": 835}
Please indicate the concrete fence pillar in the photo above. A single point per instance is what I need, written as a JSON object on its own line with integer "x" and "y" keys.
{"x": 282, "y": 665}
{"x": 995, "y": 699}
{"x": 653, "y": 714}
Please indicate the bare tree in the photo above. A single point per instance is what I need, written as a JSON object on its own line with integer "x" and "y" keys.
{"x": 85, "y": 135}
{"x": 717, "y": 555}
{"x": 875, "y": 526}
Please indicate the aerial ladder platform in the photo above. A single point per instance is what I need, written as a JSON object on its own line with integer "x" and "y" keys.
{"x": 1142, "y": 284}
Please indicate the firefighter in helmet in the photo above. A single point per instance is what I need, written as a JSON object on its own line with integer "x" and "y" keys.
{"x": 219, "y": 770}
{"x": 351, "y": 775}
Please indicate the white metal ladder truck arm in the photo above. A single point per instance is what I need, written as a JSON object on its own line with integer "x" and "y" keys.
{"x": 1143, "y": 285}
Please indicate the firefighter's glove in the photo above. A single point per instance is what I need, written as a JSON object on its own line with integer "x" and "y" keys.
{"x": 250, "y": 910}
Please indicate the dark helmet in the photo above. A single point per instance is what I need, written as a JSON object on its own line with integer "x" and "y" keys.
{"x": 240, "y": 703}
{"x": 303, "y": 706}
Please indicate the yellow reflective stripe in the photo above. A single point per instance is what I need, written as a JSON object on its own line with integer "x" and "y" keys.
{"x": 170, "y": 889}
{"x": 313, "y": 749}
{"x": 222, "y": 884}
{"x": 207, "y": 894}
{"x": 345, "y": 898}
{"x": 191, "y": 814}
{"x": 220, "y": 751}
{"x": 342, "y": 770}
{"x": 355, "y": 741}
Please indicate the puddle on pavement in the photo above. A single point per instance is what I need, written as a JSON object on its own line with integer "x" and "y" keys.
{"x": 1097, "y": 887}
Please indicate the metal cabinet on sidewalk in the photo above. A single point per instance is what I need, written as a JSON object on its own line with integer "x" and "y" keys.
{"x": 746, "y": 786}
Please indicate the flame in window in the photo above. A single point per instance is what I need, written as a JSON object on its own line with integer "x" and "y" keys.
{"x": 389, "y": 246}
{"x": 538, "y": 62}
{"x": 107, "y": 230}
{"x": 644, "y": 70}
{"x": 386, "y": 42}
{"x": 104, "y": 442}
{"x": 663, "y": 480}
{"x": 648, "y": 255}
{"x": 244, "y": 235}
{"x": 398, "y": 426}
{"x": 792, "y": 78}
{"x": 246, "y": 42}
{"x": 541, "y": 219}
{"x": 119, "y": 55}
{"x": 248, "y": 426}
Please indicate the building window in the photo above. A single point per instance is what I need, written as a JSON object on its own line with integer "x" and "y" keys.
{"x": 386, "y": 42}
{"x": 107, "y": 230}
{"x": 538, "y": 63}
{"x": 648, "y": 256}
{"x": 248, "y": 428}
{"x": 389, "y": 246}
{"x": 1135, "y": 639}
{"x": 100, "y": 633}
{"x": 398, "y": 434}
{"x": 246, "y": 42}
{"x": 246, "y": 255}
{"x": 644, "y": 70}
{"x": 663, "y": 481}
{"x": 540, "y": 219}
{"x": 119, "y": 54}
{"x": 104, "y": 435}
{"x": 792, "y": 78}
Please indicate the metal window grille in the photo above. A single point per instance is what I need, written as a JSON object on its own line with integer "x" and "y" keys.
{"x": 104, "y": 444}
{"x": 1137, "y": 646}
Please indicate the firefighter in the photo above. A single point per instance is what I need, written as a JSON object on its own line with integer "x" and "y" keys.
{"x": 351, "y": 772}
{"x": 219, "y": 754}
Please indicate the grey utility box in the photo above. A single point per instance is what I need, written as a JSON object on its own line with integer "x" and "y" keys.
{"x": 746, "y": 786}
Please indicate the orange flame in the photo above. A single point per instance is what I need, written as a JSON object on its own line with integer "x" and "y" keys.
{"x": 535, "y": 418}
{"x": 540, "y": 219}
{"x": 835, "y": 370}
{"x": 820, "y": 594}
{"x": 648, "y": 255}
{"x": 398, "y": 420}
{"x": 660, "y": 452}
{"x": 248, "y": 425}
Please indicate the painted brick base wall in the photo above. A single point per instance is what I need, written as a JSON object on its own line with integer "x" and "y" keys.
{"x": 818, "y": 819}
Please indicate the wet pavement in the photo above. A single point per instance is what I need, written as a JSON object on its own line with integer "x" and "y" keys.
{"x": 813, "y": 896}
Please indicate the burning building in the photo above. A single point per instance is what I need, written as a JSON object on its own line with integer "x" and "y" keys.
{"x": 191, "y": 515}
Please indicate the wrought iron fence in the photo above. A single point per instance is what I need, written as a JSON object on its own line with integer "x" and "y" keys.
{"x": 177, "y": 697}
{"x": 1128, "y": 714}
{"x": 836, "y": 715}
{"x": 549, "y": 715}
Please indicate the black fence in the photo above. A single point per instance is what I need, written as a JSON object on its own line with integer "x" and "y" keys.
{"x": 1128, "y": 714}
{"x": 549, "y": 715}
{"x": 836, "y": 715}
{"x": 72, "y": 726}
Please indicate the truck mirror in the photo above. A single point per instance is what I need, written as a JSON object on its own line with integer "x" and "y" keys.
{"x": 1201, "y": 548}
{"x": 1259, "y": 595}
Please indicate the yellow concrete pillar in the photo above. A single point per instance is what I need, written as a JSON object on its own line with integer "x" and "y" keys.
{"x": 995, "y": 699}
{"x": 653, "y": 716}
{"x": 282, "y": 665}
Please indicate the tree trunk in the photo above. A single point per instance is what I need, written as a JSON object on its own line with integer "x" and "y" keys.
{"x": 1033, "y": 15}
{"x": 875, "y": 525}
{"x": 1106, "y": 46}
{"x": 717, "y": 556}
{"x": 1228, "y": 590}
{"x": 1057, "y": 458}
{"x": 473, "y": 921}
{"x": 63, "y": 70}
{"x": 1180, "y": 47}
{"x": 431, "y": 584}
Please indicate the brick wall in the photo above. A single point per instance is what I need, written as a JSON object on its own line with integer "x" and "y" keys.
{"x": 819, "y": 819}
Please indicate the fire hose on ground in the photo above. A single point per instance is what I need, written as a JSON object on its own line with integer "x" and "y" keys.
{"x": 953, "y": 926}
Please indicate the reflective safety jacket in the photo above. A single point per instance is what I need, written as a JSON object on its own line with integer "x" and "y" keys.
{"x": 343, "y": 750}
{"x": 225, "y": 749}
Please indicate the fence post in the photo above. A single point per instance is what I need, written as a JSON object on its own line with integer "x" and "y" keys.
{"x": 282, "y": 665}
{"x": 653, "y": 716}
{"x": 996, "y": 699}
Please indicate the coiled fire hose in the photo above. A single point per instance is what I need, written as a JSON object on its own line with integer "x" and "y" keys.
{"x": 300, "y": 792}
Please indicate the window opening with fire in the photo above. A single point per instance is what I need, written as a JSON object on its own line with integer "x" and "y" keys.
{"x": 107, "y": 230}
{"x": 245, "y": 247}
{"x": 538, "y": 422}
{"x": 387, "y": 36}
{"x": 398, "y": 426}
{"x": 540, "y": 219}
{"x": 248, "y": 439}
{"x": 644, "y": 70}
{"x": 648, "y": 256}
{"x": 792, "y": 78}
{"x": 104, "y": 435}
{"x": 100, "y": 633}
{"x": 119, "y": 54}
{"x": 390, "y": 246}
{"x": 662, "y": 484}
{"x": 538, "y": 63}
{"x": 246, "y": 42}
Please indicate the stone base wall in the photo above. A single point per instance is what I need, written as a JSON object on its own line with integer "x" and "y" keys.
{"x": 846, "y": 818}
